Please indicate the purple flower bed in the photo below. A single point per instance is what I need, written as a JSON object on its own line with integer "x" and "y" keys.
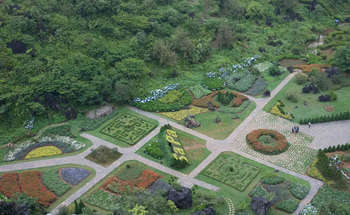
{"x": 74, "y": 175}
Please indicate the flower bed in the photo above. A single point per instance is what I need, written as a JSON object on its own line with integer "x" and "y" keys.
{"x": 182, "y": 114}
{"x": 32, "y": 185}
{"x": 105, "y": 200}
{"x": 65, "y": 144}
{"x": 281, "y": 143}
{"x": 8, "y": 184}
{"x": 203, "y": 101}
{"x": 74, "y": 175}
{"x": 277, "y": 110}
{"x": 180, "y": 159}
{"x": 44, "y": 151}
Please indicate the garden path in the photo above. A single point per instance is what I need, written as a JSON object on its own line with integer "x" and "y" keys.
{"x": 215, "y": 146}
{"x": 328, "y": 134}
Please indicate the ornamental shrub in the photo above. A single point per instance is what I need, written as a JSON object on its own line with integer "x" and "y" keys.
{"x": 299, "y": 191}
{"x": 275, "y": 71}
{"x": 154, "y": 150}
{"x": 289, "y": 205}
{"x": 300, "y": 78}
{"x": 273, "y": 180}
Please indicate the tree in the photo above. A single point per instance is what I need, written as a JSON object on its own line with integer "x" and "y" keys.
{"x": 225, "y": 36}
{"x": 342, "y": 58}
{"x": 182, "y": 42}
{"x": 319, "y": 79}
{"x": 163, "y": 53}
{"x": 132, "y": 68}
{"x": 256, "y": 10}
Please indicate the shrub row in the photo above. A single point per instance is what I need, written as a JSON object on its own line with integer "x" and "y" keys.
{"x": 327, "y": 118}
{"x": 343, "y": 147}
{"x": 272, "y": 180}
{"x": 281, "y": 142}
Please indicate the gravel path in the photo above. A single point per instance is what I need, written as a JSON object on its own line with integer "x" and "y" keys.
{"x": 231, "y": 143}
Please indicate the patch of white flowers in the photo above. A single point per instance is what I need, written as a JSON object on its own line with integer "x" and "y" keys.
{"x": 29, "y": 124}
{"x": 11, "y": 155}
{"x": 309, "y": 210}
{"x": 157, "y": 94}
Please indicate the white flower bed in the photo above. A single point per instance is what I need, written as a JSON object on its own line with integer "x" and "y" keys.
{"x": 157, "y": 94}
{"x": 309, "y": 210}
{"x": 11, "y": 155}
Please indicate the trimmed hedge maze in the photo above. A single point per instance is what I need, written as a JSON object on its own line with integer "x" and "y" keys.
{"x": 128, "y": 128}
{"x": 232, "y": 171}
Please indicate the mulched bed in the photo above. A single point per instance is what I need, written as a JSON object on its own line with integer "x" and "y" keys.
{"x": 280, "y": 146}
{"x": 26, "y": 182}
{"x": 73, "y": 175}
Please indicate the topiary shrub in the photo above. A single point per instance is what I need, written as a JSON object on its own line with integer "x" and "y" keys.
{"x": 273, "y": 180}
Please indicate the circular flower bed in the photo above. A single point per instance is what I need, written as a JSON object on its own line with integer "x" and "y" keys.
{"x": 267, "y": 141}
{"x": 43, "y": 152}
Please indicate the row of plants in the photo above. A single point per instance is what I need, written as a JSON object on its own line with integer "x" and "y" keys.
{"x": 343, "y": 147}
{"x": 327, "y": 118}
{"x": 179, "y": 157}
{"x": 267, "y": 141}
{"x": 64, "y": 144}
{"x": 277, "y": 110}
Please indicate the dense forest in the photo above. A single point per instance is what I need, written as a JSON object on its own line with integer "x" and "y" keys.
{"x": 61, "y": 56}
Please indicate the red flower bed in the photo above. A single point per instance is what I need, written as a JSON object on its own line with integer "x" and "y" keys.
{"x": 144, "y": 180}
{"x": 26, "y": 182}
{"x": 9, "y": 184}
{"x": 280, "y": 146}
{"x": 203, "y": 101}
{"x": 32, "y": 185}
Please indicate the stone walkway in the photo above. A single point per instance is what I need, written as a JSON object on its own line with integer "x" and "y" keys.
{"x": 231, "y": 143}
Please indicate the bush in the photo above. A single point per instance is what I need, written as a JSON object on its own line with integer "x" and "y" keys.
{"x": 299, "y": 191}
{"x": 300, "y": 78}
{"x": 259, "y": 191}
{"x": 327, "y": 118}
{"x": 273, "y": 180}
{"x": 291, "y": 97}
{"x": 275, "y": 71}
{"x": 214, "y": 83}
{"x": 171, "y": 97}
{"x": 333, "y": 96}
{"x": 310, "y": 88}
{"x": 288, "y": 206}
{"x": 154, "y": 150}
{"x": 324, "y": 98}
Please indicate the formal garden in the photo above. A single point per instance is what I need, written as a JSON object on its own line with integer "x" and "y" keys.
{"x": 49, "y": 185}
{"x": 126, "y": 128}
{"x": 135, "y": 186}
{"x": 176, "y": 149}
{"x": 243, "y": 180}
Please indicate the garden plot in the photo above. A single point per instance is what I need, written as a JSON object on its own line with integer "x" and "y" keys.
{"x": 232, "y": 171}
{"x": 126, "y": 128}
{"x": 297, "y": 158}
{"x": 48, "y": 185}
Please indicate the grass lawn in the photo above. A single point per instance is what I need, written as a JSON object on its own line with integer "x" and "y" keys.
{"x": 104, "y": 156}
{"x": 195, "y": 148}
{"x": 240, "y": 169}
{"x": 273, "y": 81}
{"x": 313, "y": 107}
{"x": 73, "y": 189}
{"x": 223, "y": 129}
{"x": 123, "y": 130}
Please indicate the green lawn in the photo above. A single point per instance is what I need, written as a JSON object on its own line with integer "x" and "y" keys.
{"x": 313, "y": 107}
{"x": 195, "y": 148}
{"x": 227, "y": 191}
{"x": 223, "y": 129}
{"x": 273, "y": 81}
{"x": 129, "y": 131}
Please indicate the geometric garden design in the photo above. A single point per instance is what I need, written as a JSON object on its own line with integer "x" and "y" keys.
{"x": 232, "y": 171}
{"x": 128, "y": 128}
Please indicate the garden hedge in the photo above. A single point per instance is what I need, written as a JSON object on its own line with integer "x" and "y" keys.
{"x": 327, "y": 118}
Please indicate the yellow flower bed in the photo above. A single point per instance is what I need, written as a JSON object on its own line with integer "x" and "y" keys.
{"x": 182, "y": 114}
{"x": 276, "y": 110}
{"x": 43, "y": 152}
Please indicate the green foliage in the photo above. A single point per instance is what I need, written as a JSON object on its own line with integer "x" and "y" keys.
{"x": 104, "y": 155}
{"x": 327, "y": 195}
{"x": 342, "y": 58}
{"x": 198, "y": 91}
{"x": 288, "y": 206}
{"x": 171, "y": 97}
{"x": 259, "y": 191}
{"x": 158, "y": 106}
{"x": 53, "y": 182}
{"x": 225, "y": 98}
{"x": 327, "y": 118}
{"x": 214, "y": 83}
{"x": 104, "y": 200}
{"x": 299, "y": 191}
{"x": 319, "y": 79}
{"x": 154, "y": 150}
{"x": 272, "y": 180}
{"x": 300, "y": 78}
{"x": 63, "y": 130}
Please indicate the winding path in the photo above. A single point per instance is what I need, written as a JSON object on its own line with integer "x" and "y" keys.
{"x": 215, "y": 146}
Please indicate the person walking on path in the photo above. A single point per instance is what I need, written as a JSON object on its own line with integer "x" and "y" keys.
{"x": 309, "y": 124}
